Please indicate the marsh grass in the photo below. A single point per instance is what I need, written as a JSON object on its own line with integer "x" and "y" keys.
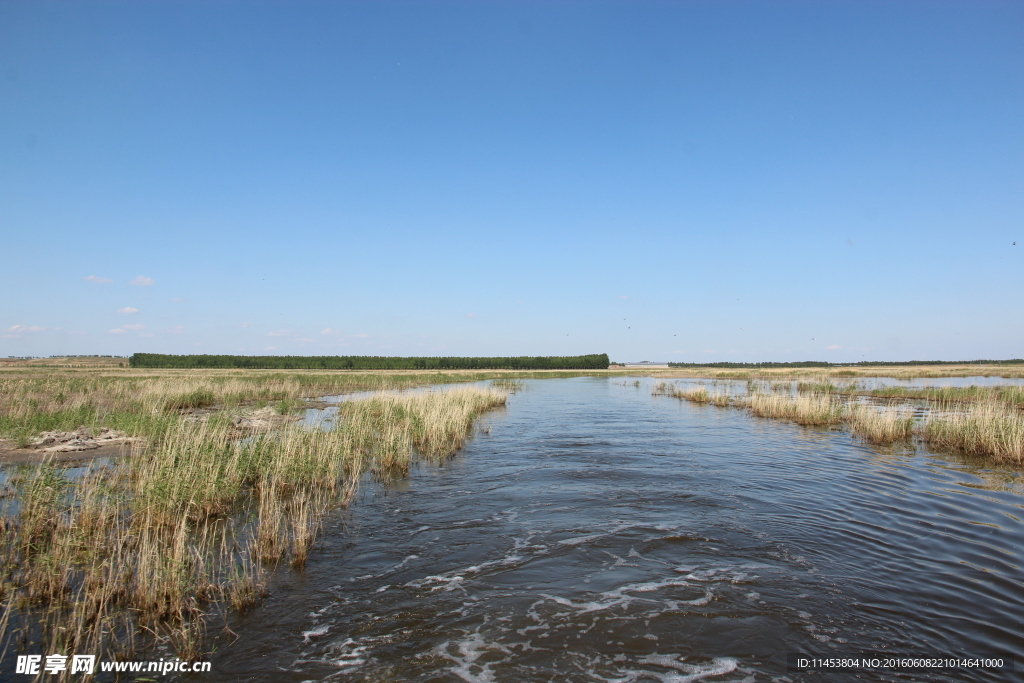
{"x": 697, "y": 394}
{"x": 1010, "y": 396}
{"x": 163, "y": 543}
{"x": 898, "y": 372}
{"x": 988, "y": 428}
{"x": 815, "y": 409}
{"x": 880, "y": 426}
{"x": 509, "y": 385}
{"x": 980, "y": 421}
{"x": 721, "y": 399}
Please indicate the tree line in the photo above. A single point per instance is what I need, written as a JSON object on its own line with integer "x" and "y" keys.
{"x": 597, "y": 361}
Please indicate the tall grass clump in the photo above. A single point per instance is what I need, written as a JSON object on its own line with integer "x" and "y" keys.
{"x": 881, "y": 426}
{"x": 692, "y": 394}
{"x": 989, "y": 429}
{"x": 510, "y": 385}
{"x": 814, "y": 409}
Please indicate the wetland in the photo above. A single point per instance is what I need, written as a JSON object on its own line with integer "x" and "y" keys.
{"x": 569, "y": 528}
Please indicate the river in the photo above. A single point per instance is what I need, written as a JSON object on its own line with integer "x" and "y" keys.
{"x": 591, "y": 531}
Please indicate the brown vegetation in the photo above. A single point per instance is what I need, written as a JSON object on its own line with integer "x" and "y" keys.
{"x": 163, "y": 542}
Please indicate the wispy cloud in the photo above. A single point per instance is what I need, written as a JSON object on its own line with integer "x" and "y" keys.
{"x": 246, "y": 325}
{"x": 97, "y": 279}
{"x": 127, "y": 309}
{"x": 134, "y": 326}
{"x": 471, "y": 315}
{"x": 622, "y": 296}
{"x": 17, "y": 331}
{"x": 361, "y": 335}
{"x": 270, "y": 348}
{"x": 116, "y": 330}
{"x": 142, "y": 281}
{"x": 833, "y": 347}
{"x": 280, "y": 333}
{"x": 177, "y": 329}
{"x": 303, "y": 339}
{"x": 328, "y": 330}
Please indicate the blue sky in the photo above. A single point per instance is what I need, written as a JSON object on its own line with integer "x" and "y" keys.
{"x": 698, "y": 181}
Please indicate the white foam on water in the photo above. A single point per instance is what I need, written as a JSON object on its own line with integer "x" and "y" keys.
{"x": 621, "y": 596}
{"x": 407, "y": 560}
{"x": 580, "y": 539}
{"x": 452, "y": 580}
{"x": 469, "y": 650}
{"x": 315, "y": 633}
{"x": 689, "y": 673}
{"x": 344, "y": 655}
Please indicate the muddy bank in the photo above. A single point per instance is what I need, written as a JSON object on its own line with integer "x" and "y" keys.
{"x": 78, "y": 444}
{"x": 83, "y": 444}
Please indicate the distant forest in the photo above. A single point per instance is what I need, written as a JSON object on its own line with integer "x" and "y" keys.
{"x": 597, "y": 361}
{"x": 863, "y": 363}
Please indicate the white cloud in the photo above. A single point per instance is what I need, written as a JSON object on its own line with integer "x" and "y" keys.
{"x": 97, "y": 279}
{"x": 270, "y": 348}
{"x": 362, "y": 335}
{"x": 246, "y": 325}
{"x": 143, "y": 281}
{"x": 134, "y": 326}
{"x": 833, "y": 347}
{"x": 471, "y": 315}
{"x": 280, "y": 333}
{"x": 327, "y": 331}
{"x": 17, "y": 331}
{"x": 116, "y": 330}
{"x": 127, "y": 309}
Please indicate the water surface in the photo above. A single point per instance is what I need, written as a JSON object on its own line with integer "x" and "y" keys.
{"x": 597, "y": 532}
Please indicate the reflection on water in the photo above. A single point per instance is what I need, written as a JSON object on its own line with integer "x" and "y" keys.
{"x": 599, "y": 533}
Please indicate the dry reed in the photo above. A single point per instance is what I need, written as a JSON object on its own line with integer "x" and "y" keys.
{"x": 693, "y": 394}
{"x": 164, "y": 540}
{"x": 806, "y": 410}
{"x": 988, "y": 429}
{"x": 880, "y": 426}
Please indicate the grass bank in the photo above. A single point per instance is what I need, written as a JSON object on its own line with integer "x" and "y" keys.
{"x": 844, "y": 373}
{"x": 986, "y": 422}
{"x": 163, "y": 544}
